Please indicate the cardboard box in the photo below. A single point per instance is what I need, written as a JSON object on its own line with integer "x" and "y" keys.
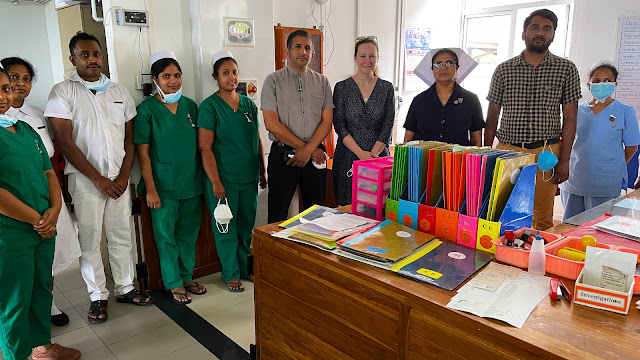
{"x": 599, "y": 298}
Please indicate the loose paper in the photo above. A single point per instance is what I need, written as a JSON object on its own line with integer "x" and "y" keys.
{"x": 493, "y": 275}
{"x": 512, "y": 302}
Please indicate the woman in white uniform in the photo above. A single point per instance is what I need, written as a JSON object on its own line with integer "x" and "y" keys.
{"x": 67, "y": 249}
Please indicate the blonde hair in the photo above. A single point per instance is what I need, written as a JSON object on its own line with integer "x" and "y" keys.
{"x": 376, "y": 72}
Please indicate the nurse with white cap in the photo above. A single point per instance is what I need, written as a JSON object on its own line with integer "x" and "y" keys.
{"x": 166, "y": 139}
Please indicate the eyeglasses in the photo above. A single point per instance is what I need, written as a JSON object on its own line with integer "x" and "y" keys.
{"x": 438, "y": 64}
{"x": 367, "y": 37}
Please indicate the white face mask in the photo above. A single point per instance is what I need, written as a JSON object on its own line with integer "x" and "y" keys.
{"x": 222, "y": 214}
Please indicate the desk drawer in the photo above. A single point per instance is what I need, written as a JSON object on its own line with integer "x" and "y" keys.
{"x": 420, "y": 348}
{"x": 450, "y": 339}
{"x": 321, "y": 312}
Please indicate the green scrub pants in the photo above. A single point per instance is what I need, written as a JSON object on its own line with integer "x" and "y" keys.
{"x": 234, "y": 246}
{"x": 25, "y": 298}
{"x": 175, "y": 227}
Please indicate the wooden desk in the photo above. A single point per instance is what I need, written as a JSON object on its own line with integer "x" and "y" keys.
{"x": 311, "y": 304}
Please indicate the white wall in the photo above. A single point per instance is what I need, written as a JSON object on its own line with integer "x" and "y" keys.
{"x": 298, "y": 13}
{"x": 444, "y": 18}
{"x": 26, "y": 36}
{"x": 380, "y": 18}
{"x": 594, "y": 33}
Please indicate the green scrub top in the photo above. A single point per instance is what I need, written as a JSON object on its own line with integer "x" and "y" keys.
{"x": 236, "y": 139}
{"x": 173, "y": 148}
{"x": 23, "y": 161}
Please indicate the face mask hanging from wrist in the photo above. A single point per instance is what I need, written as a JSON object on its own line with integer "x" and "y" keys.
{"x": 602, "y": 91}
{"x": 169, "y": 98}
{"x": 547, "y": 161}
{"x": 222, "y": 214}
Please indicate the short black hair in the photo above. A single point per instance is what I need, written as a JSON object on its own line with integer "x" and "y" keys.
{"x": 80, "y": 36}
{"x": 545, "y": 13}
{"x": 604, "y": 65}
{"x": 159, "y": 66}
{"x": 219, "y": 62}
{"x": 7, "y": 63}
{"x": 446, "y": 51}
{"x": 298, "y": 32}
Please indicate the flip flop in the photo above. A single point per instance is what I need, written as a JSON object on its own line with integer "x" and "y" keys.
{"x": 197, "y": 286}
{"x": 179, "y": 302}
{"x": 129, "y": 298}
{"x": 236, "y": 283}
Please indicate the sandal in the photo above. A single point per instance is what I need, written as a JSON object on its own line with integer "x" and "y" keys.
{"x": 178, "y": 301}
{"x": 237, "y": 283}
{"x": 197, "y": 286}
{"x": 129, "y": 298}
{"x": 56, "y": 352}
{"x": 97, "y": 308}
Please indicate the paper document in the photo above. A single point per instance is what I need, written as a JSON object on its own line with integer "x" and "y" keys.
{"x": 621, "y": 226}
{"x": 512, "y": 302}
{"x": 337, "y": 222}
{"x": 493, "y": 275}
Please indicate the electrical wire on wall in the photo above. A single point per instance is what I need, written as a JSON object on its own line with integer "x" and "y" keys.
{"x": 313, "y": 11}
{"x": 333, "y": 43}
{"x": 140, "y": 51}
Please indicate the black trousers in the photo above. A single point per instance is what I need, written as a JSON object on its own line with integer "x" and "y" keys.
{"x": 284, "y": 179}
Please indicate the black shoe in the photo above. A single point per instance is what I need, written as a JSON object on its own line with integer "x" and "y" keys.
{"x": 60, "y": 319}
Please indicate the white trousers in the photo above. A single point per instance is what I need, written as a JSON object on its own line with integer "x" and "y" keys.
{"x": 96, "y": 210}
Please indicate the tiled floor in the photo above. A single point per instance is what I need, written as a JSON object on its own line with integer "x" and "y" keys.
{"x": 134, "y": 332}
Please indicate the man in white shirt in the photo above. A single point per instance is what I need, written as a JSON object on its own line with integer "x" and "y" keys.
{"x": 91, "y": 121}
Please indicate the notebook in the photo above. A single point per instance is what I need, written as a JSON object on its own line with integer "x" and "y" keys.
{"x": 386, "y": 242}
{"x": 442, "y": 264}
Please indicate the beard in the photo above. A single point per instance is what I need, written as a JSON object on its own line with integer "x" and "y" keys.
{"x": 532, "y": 47}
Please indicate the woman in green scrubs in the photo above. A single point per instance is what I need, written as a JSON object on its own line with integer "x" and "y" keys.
{"x": 29, "y": 206}
{"x": 165, "y": 134}
{"x": 233, "y": 159}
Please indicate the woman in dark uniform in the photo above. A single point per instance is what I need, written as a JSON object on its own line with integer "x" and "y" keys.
{"x": 445, "y": 112}
{"x": 363, "y": 117}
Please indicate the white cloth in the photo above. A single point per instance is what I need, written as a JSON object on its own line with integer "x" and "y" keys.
{"x": 67, "y": 245}
{"x": 165, "y": 54}
{"x": 34, "y": 117}
{"x": 98, "y": 121}
{"x": 94, "y": 209}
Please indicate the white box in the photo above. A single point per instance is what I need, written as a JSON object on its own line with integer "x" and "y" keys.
{"x": 599, "y": 298}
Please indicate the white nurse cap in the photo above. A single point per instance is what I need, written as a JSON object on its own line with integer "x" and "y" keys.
{"x": 161, "y": 55}
{"x": 219, "y": 55}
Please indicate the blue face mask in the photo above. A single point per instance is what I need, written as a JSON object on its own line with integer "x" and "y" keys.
{"x": 6, "y": 120}
{"x": 601, "y": 91}
{"x": 169, "y": 98}
{"x": 101, "y": 84}
{"x": 547, "y": 160}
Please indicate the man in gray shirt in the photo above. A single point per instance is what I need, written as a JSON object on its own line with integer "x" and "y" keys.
{"x": 297, "y": 107}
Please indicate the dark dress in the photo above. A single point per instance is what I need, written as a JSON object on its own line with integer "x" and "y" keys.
{"x": 452, "y": 123}
{"x": 365, "y": 122}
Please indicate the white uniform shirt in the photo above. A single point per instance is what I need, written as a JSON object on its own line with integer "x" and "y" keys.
{"x": 34, "y": 117}
{"x": 98, "y": 121}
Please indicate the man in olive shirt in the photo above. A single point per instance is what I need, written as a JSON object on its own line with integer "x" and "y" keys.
{"x": 297, "y": 106}
{"x": 530, "y": 89}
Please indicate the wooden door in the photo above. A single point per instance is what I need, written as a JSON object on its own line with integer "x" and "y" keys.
{"x": 207, "y": 261}
{"x": 317, "y": 40}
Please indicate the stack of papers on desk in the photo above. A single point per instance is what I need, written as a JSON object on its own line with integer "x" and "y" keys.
{"x": 512, "y": 301}
{"x": 620, "y": 226}
{"x": 322, "y": 227}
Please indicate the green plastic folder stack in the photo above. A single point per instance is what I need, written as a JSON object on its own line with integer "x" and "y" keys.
{"x": 399, "y": 176}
